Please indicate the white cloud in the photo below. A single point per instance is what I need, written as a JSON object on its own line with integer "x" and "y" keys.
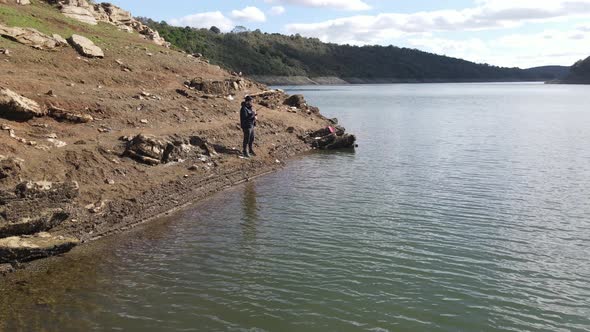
{"x": 249, "y": 14}
{"x": 548, "y": 47}
{"x": 417, "y": 30}
{"x": 205, "y": 20}
{"x": 488, "y": 14}
{"x": 277, "y": 10}
{"x": 335, "y": 4}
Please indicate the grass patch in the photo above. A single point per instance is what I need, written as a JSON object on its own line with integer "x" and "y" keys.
{"x": 47, "y": 19}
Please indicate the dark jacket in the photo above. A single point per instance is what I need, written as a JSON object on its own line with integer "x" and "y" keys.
{"x": 247, "y": 117}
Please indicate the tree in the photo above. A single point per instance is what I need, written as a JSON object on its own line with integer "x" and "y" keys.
{"x": 239, "y": 29}
{"x": 215, "y": 30}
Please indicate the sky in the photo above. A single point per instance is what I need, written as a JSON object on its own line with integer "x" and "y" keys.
{"x": 511, "y": 33}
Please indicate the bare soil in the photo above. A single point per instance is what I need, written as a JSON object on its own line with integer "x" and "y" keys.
{"x": 124, "y": 191}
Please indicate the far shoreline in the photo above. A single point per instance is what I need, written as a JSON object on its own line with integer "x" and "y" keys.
{"x": 304, "y": 80}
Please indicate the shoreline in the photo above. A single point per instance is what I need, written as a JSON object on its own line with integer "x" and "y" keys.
{"x": 333, "y": 80}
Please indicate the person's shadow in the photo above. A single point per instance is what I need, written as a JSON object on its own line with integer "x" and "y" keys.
{"x": 250, "y": 213}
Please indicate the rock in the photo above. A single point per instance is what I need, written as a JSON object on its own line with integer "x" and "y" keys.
{"x": 29, "y": 36}
{"x": 222, "y": 88}
{"x": 16, "y": 107}
{"x": 31, "y": 225}
{"x": 35, "y": 206}
{"x": 85, "y": 47}
{"x": 113, "y": 14}
{"x": 330, "y": 138}
{"x": 61, "y": 40}
{"x": 109, "y": 181}
{"x": 333, "y": 121}
{"x": 63, "y": 115}
{"x": 147, "y": 149}
{"x": 28, "y": 248}
{"x": 291, "y": 130}
{"x": 83, "y": 14}
{"x": 96, "y": 207}
{"x": 57, "y": 143}
{"x": 297, "y": 101}
{"x": 193, "y": 168}
{"x": 313, "y": 109}
{"x": 9, "y": 167}
{"x": 54, "y": 191}
{"x": 6, "y": 269}
{"x": 18, "y": 2}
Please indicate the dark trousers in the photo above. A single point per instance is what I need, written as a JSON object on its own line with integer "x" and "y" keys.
{"x": 248, "y": 138}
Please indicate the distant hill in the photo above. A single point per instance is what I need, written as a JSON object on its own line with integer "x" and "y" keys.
{"x": 549, "y": 72}
{"x": 279, "y": 56}
{"x": 579, "y": 73}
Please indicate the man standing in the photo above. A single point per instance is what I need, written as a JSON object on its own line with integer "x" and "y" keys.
{"x": 247, "y": 122}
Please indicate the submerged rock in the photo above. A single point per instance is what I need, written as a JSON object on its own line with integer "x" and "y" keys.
{"x": 85, "y": 47}
{"x": 330, "y": 138}
{"x": 28, "y": 248}
{"x": 16, "y": 107}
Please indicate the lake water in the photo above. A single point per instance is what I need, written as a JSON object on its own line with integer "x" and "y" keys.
{"x": 466, "y": 207}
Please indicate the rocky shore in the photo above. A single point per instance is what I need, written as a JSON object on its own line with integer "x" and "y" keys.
{"x": 104, "y": 127}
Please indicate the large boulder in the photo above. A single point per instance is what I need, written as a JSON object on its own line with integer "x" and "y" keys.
{"x": 18, "y": 108}
{"x": 147, "y": 149}
{"x": 213, "y": 87}
{"x": 28, "y": 248}
{"x": 25, "y": 226}
{"x": 85, "y": 47}
{"x": 297, "y": 101}
{"x": 29, "y": 36}
{"x": 111, "y": 13}
{"x": 35, "y": 207}
{"x": 81, "y": 14}
{"x": 330, "y": 138}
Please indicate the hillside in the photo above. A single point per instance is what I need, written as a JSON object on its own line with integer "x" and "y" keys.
{"x": 94, "y": 144}
{"x": 549, "y": 72}
{"x": 271, "y": 57}
{"x": 579, "y": 73}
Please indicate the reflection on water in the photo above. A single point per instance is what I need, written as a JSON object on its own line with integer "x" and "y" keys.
{"x": 465, "y": 209}
{"x": 250, "y": 212}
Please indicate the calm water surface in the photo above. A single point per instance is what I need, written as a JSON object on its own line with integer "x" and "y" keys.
{"x": 466, "y": 208}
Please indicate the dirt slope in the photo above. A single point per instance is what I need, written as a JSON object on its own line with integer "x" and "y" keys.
{"x": 137, "y": 88}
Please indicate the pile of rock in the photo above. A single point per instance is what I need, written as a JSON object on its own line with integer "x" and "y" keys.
{"x": 219, "y": 88}
{"x": 151, "y": 150}
{"x": 30, "y": 210}
{"x": 84, "y": 12}
{"x": 15, "y": 107}
{"x": 32, "y": 37}
{"x": 330, "y": 138}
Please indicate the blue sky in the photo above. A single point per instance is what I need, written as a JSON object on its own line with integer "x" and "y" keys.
{"x": 523, "y": 33}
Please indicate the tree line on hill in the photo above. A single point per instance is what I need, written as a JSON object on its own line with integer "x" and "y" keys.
{"x": 264, "y": 54}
